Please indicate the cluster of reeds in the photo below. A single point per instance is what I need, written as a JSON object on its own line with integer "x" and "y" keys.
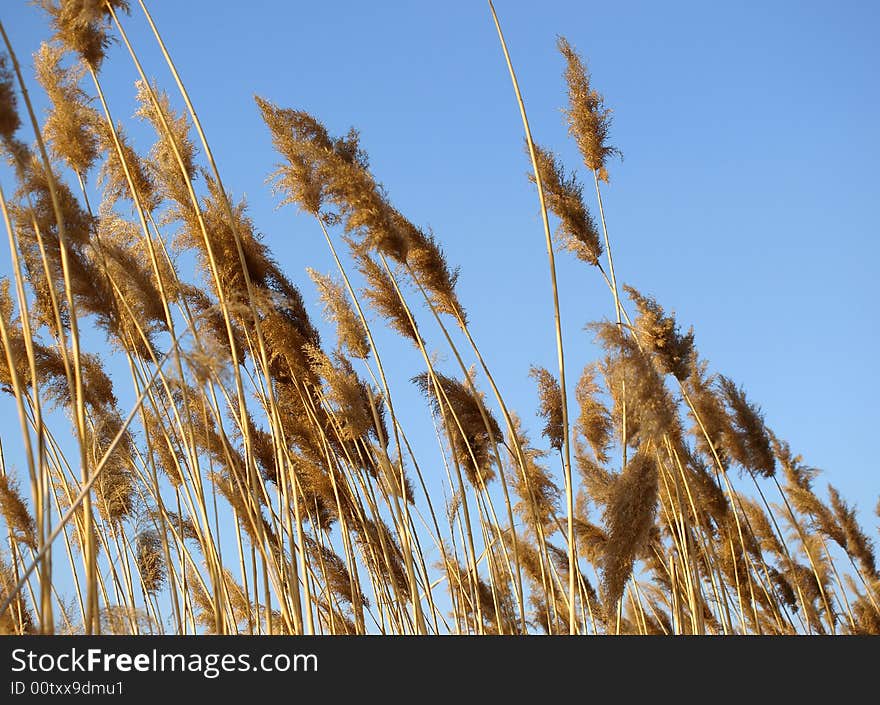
{"x": 259, "y": 479}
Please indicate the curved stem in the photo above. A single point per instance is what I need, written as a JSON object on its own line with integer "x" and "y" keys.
{"x": 569, "y": 490}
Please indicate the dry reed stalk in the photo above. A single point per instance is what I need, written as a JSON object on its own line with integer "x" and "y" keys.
{"x": 569, "y": 490}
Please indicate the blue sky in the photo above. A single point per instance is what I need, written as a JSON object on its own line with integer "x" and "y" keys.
{"x": 747, "y": 200}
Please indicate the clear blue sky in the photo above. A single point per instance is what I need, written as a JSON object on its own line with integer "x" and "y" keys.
{"x": 747, "y": 201}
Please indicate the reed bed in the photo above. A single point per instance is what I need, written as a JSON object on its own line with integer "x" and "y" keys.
{"x": 261, "y": 479}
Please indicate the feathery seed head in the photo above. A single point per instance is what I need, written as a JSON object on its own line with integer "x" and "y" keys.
{"x": 15, "y": 512}
{"x": 538, "y": 495}
{"x": 462, "y": 412}
{"x": 174, "y": 140}
{"x": 659, "y": 334}
{"x": 594, "y": 420}
{"x": 564, "y": 197}
{"x": 17, "y": 619}
{"x": 550, "y": 397}
{"x": 71, "y": 122}
{"x": 112, "y": 173}
{"x": 629, "y": 517}
{"x": 426, "y": 259}
{"x": 588, "y": 118}
{"x": 651, "y": 412}
{"x": 747, "y": 440}
{"x": 322, "y": 172}
{"x": 9, "y": 119}
{"x": 349, "y": 328}
{"x": 856, "y": 543}
{"x": 81, "y": 26}
{"x": 384, "y": 297}
{"x": 150, "y": 560}
{"x": 345, "y": 391}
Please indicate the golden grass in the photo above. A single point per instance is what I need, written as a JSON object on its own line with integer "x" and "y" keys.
{"x": 264, "y": 482}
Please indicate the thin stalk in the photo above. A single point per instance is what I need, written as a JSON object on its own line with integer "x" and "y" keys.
{"x": 569, "y": 491}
